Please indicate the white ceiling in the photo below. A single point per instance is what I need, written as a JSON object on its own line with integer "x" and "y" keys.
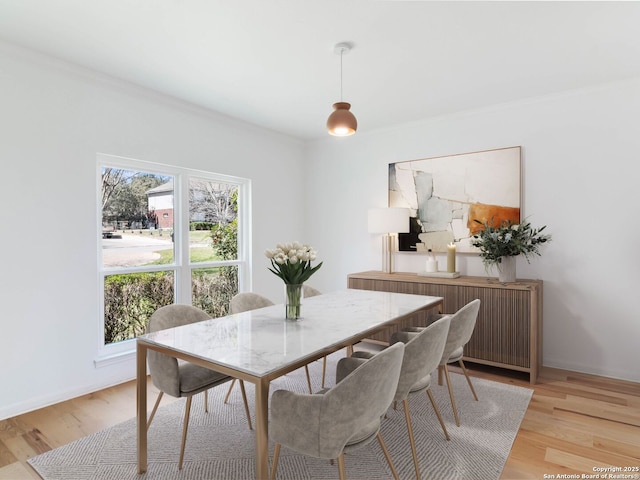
{"x": 271, "y": 62}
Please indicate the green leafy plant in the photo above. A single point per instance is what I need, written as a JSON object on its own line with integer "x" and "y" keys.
{"x": 201, "y": 225}
{"x": 292, "y": 262}
{"x": 224, "y": 240}
{"x": 129, "y": 301}
{"x": 507, "y": 240}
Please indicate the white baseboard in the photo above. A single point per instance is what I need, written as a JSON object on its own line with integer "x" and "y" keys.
{"x": 9, "y": 411}
{"x": 629, "y": 375}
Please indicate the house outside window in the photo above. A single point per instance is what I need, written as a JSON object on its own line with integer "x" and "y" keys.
{"x": 166, "y": 235}
{"x": 160, "y": 202}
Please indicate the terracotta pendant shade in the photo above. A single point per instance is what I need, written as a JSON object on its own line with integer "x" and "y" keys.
{"x": 342, "y": 123}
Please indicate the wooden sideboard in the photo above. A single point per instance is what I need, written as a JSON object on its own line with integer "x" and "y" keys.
{"x": 508, "y": 332}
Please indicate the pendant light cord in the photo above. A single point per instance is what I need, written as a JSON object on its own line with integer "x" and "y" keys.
{"x": 341, "y": 52}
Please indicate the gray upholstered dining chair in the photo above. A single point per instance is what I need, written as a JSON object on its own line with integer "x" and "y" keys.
{"x": 422, "y": 354}
{"x": 177, "y": 377}
{"x": 243, "y": 302}
{"x": 309, "y": 291}
{"x": 341, "y": 419}
{"x": 462, "y": 325}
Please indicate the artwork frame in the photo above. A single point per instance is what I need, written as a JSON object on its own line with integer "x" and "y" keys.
{"x": 446, "y": 194}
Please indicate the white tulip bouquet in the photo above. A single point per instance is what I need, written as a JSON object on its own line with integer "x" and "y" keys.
{"x": 292, "y": 262}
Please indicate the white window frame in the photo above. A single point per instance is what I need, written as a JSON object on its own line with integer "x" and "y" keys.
{"x": 181, "y": 266}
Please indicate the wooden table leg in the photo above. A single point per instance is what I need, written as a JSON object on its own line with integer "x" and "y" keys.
{"x": 262, "y": 430}
{"x": 141, "y": 373}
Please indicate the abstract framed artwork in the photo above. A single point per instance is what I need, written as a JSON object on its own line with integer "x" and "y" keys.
{"x": 447, "y": 194}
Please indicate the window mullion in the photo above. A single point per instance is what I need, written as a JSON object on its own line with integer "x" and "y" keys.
{"x": 244, "y": 239}
{"x": 181, "y": 223}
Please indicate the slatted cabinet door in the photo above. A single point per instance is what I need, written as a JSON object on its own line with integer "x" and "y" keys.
{"x": 508, "y": 331}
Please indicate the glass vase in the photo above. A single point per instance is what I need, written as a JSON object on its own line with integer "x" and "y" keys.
{"x": 293, "y": 301}
{"x": 507, "y": 269}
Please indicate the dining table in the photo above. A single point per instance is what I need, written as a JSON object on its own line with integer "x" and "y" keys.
{"x": 260, "y": 345}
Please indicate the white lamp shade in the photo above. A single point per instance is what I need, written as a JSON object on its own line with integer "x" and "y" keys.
{"x": 388, "y": 220}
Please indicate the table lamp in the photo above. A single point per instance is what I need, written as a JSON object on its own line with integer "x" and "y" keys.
{"x": 389, "y": 221}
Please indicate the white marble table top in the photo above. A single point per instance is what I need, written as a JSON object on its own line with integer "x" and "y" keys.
{"x": 259, "y": 342}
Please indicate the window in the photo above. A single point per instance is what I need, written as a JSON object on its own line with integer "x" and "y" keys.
{"x": 167, "y": 235}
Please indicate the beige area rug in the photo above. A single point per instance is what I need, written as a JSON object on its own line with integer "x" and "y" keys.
{"x": 220, "y": 445}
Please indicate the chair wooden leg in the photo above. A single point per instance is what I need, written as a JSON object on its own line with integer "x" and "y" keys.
{"x": 206, "y": 401}
{"x": 440, "y": 371}
{"x": 324, "y": 369}
{"x": 388, "y": 457}
{"x": 185, "y": 427}
{"x": 412, "y": 440}
{"x": 437, "y": 410}
{"x": 453, "y": 400}
{"x": 464, "y": 370}
{"x": 276, "y": 456}
{"x": 341, "y": 470}
{"x": 306, "y": 369}
{"x": 233, "y": 382}
{"x": 155, "y": 407}
{"x": 246, "y": 404}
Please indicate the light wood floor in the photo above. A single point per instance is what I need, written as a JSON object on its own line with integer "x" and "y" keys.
{"x": 574, "y": 423}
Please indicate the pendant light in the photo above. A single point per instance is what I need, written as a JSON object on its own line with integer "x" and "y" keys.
{"x": 341, "y": 123}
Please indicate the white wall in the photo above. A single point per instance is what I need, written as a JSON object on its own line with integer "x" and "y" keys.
{"x": 54, "y": 118}
{"x": 580, "y": 164}
{"x": 579, "y": 156}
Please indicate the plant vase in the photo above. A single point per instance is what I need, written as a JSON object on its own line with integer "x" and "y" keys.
{"x": 507, "y": 269}
{"x": 292, "y": 301}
